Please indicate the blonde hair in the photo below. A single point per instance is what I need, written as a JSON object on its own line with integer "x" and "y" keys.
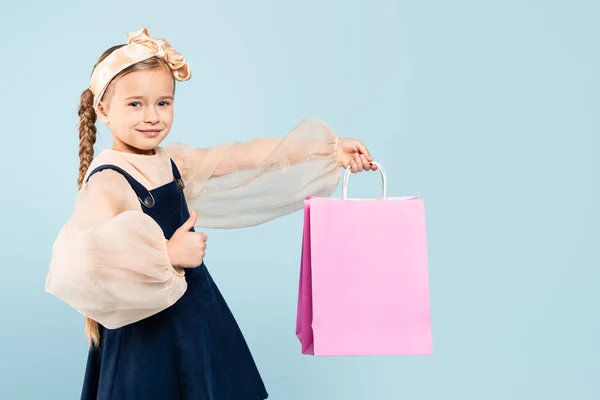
{"x": 87, "y": 139}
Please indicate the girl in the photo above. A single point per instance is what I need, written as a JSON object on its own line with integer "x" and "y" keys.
{"x": 129, "y": 258}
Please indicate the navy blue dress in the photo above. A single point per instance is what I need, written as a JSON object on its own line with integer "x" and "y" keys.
{"x": 194, "y": 350}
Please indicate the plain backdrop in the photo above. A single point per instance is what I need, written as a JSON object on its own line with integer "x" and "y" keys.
{"x": 488, "y": 110}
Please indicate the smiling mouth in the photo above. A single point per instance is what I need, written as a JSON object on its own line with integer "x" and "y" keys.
{"x": 149, "y": 132}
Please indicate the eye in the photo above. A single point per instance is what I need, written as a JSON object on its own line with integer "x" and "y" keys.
{"x": 164, "y": 103}
{"x": 134, "y": 104}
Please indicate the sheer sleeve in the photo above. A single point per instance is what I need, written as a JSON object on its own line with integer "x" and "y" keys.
{"x": 244, "y": 184}
{"x": 110, "y": 260}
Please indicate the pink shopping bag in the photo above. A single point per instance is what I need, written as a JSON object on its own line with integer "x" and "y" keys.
{"x": 364, "y": 286}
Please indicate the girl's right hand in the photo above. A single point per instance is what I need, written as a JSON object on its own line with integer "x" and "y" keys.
{"x": 186, "y": 249}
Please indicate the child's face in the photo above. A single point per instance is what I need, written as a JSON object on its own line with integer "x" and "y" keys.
{"x": 139, "y": 112}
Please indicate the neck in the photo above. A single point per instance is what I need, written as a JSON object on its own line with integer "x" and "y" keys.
{"x": 126, "y": 148}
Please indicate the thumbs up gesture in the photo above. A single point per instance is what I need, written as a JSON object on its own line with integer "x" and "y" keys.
{"x": 186, "y": 249}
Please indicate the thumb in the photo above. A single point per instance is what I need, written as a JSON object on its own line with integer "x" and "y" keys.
{"x": 191, "y": 221}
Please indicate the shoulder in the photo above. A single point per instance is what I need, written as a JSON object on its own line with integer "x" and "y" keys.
{"x": 106, "y": 178}
{"x": 177, "y": 151}
{"x": 104, "y": 196}
{"x": 106, "y": 189}
{"x": 184, "y": 156}
{"x": 104, "y": 158}
{"x": 105, "y": 185}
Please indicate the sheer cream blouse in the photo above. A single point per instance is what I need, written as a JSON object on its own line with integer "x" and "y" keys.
{"x": 110, "y": 260}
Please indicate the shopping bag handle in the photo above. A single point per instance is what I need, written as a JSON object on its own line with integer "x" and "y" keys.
{"x": 383, "y": 181}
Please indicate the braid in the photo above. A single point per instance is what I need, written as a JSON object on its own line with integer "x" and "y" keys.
{"x": 92, "y": 331}
{"x": 87, "y": 139}
{"x": 87, "y": 133}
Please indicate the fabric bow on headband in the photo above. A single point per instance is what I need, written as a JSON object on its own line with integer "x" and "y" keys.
{"x": 140, "y": 46}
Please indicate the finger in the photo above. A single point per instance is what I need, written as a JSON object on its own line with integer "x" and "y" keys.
{"x": 191, "y": 221}
{"x": 359, "y": 162}
{"x": 202, "y": 236}
{"x": 366, "y": 164}
{"x": 363, "y": 150}
{"x": 353, "y": 166}
{"x": 200, "y": 243}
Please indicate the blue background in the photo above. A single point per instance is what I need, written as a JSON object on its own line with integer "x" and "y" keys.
{"x": 486, "y": 109}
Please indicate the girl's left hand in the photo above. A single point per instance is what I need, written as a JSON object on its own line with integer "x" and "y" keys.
{"x": 353, "y": 153}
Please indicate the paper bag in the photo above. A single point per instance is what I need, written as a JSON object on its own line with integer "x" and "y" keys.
{"x": 364, "y": 286}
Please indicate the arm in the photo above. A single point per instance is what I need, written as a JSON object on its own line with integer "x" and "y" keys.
{"x": 239, "y": 185}
{"x": 251, "y": 155}
{"x": 110, "y": 260}
{"x": 246, "y": 184}
{"x": 243, "y": 156}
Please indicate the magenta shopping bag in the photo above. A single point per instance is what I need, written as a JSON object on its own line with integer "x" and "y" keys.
{"x": 364, "y": 286}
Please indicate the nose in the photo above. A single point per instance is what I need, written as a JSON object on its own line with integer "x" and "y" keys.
{"x": 150, "y": 115}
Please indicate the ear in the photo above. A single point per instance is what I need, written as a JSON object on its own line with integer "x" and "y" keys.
{"x": 102, "y": 114}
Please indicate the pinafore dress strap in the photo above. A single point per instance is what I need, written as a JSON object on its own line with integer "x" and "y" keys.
{"x": 143, "y": 194}
{"x": 177, "y": 175}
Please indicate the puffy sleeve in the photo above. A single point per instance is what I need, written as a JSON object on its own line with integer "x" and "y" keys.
{"x": 245, "y": 184}
{"x": 110, "y": 260}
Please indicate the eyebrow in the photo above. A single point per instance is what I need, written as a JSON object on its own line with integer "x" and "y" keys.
{"x": 141, "y": 97}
